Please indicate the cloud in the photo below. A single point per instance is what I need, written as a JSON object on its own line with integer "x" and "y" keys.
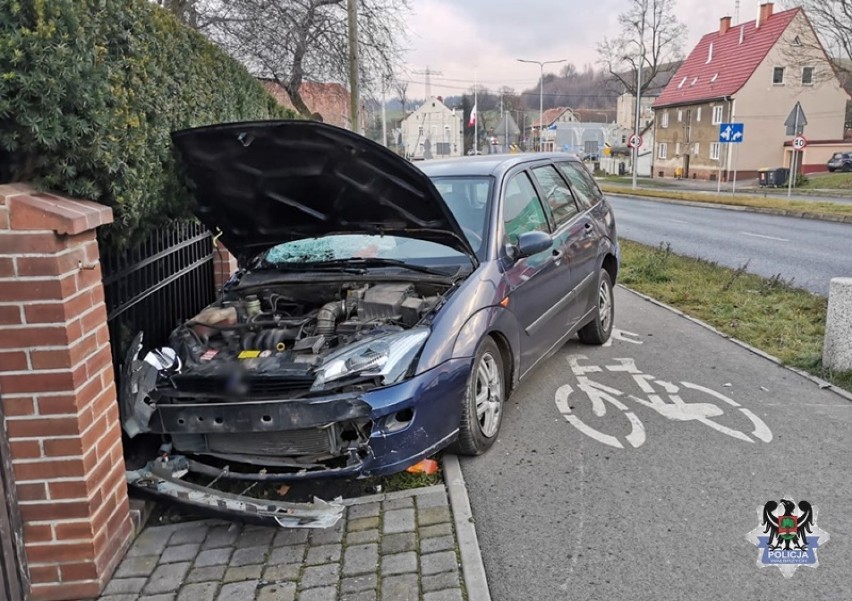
{"x": 460, "y": 37}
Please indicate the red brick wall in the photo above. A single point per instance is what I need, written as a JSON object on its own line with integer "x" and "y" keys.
{"x": 58, "y": 393}
{"x": 224, "y": 264}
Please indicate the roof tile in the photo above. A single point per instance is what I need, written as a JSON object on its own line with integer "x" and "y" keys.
{"x": 732, "y": 63}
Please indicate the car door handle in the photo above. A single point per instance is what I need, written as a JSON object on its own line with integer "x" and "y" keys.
{"x": 557, "y": 256}
{"x": 588, "y": 227}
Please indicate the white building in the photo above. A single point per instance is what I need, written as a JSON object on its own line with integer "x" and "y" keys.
{"x": 432, "y": 131}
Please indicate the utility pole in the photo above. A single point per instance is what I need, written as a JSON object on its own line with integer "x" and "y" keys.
{"x": 354, "y": 93}
{"x": 639, "y": 91}
{"x": 428, "y": 72}
{"x": 384, "y": 115}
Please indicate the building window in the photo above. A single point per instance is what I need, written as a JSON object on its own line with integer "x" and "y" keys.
{"x": 680, "y": 116}
{"x": 714, "y": 78}
{"x": 797, "y": 41}
{"x": 710, "y": 53}
{"x": 419, "y": 130}
{"x": 682, "y": 81}
{"x": 663, "y": 151}
{"x": 778, "y": 76}
{"x": 718, "y": 114}
{"x": 696, "y": 149}
{"x": 715, "y": 148}
{"x": 664, "y": 122}
{"x": 807, "y": 76}
{"x": 677, "y": 148}
{"x": 698, "y": 115}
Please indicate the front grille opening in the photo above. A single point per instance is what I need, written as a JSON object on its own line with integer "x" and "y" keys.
{"x": 308, "y": 448}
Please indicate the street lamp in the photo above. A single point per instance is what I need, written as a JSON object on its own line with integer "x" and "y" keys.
{"x": 541, "y": 65}
{"x": 639, "y": 68}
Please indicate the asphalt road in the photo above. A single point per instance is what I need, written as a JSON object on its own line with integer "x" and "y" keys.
{"x": 807, "y": 251}
{"x": 563, "y": 514}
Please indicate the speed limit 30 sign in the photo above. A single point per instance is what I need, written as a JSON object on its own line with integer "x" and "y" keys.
{"x": 799, "y": 142}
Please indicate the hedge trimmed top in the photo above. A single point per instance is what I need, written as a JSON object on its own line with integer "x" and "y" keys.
{"x": 90, "y": 91}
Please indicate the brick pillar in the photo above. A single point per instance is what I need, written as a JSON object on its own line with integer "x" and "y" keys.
{"x": 59, "y": 397}
{"x": 224, "y": 264}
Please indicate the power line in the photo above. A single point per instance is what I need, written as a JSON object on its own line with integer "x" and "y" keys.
{"x": 547, "y": 94}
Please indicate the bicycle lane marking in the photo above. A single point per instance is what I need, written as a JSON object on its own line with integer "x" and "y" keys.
{"x": 677, "y": 410}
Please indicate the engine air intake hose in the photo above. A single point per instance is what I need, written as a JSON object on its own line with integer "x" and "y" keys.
{"x": 328, "y": 317}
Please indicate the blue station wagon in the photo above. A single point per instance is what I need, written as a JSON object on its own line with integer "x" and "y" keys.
{"x": 382, "y": 311}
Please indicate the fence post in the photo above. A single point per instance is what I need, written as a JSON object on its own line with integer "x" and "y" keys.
{"x": 58, "y": 393}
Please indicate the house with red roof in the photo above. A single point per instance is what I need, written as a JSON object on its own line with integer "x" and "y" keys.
{"x": 751, "y": 73}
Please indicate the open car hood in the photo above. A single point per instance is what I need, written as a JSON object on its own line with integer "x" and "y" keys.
{"x": 270, "y": 182}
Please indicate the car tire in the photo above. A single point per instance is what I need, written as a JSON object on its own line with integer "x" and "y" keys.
{"x": 599, "y": 329}
{"x": 477, "y": 432}
{"x": 847, "y": 168}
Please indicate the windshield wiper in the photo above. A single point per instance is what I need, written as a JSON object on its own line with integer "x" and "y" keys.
{"x": 264, "y": 264}
{"x": 375, "y": 262}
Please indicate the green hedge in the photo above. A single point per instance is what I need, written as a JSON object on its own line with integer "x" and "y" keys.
{"x": 90, "y": 91}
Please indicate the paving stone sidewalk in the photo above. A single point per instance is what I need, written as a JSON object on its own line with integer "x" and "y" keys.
{"x": 397, "y": 546}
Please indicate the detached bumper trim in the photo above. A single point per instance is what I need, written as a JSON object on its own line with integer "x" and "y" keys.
{"x": 161, "y": 480}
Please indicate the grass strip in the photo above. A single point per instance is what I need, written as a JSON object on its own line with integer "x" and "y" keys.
{"x": 792, "y": 207}
{"x": 832, "y": 181}
{"x": 767, "y": 313}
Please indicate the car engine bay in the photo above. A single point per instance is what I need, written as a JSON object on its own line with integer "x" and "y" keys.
{"x": 280, "y": 334}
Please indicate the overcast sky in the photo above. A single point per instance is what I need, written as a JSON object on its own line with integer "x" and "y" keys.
{"x": 459, "y": 37}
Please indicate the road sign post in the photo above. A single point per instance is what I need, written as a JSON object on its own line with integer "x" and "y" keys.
{"x": 730, "y": 133}
{"x": 799, "y": 143}
{"x": 795, "y": 124}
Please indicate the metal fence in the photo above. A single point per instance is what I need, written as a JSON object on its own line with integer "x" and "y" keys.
{"x": 152, "y": 287}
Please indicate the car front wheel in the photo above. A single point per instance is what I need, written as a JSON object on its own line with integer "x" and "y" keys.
{"x": 482, "y": 411}
{"x": 599, "y": 329}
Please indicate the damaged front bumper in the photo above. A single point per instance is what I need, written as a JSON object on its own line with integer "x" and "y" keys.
{"x": 161, "y": 479}
{"x": 350, "y": 435}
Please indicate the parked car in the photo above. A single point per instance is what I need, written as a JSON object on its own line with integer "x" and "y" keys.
{"x": 841, "y": 161}
{"x": 382, "y": 311}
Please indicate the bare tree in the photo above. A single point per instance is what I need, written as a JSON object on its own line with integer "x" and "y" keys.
{"x": 402, "y": 92}
{"x": 185, "y": 10}
{"x": 291, "y": 41}
{"x": 826, "y": 35}
{"x": 650, "y": 29}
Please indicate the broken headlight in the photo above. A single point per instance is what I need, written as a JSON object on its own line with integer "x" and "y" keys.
{"x": 387, "y": 357}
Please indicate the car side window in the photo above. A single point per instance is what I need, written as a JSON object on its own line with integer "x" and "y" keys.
{"x": 522, "y": 210}
{"x": 556, "y": 194}
{"x": 583, "y": 183}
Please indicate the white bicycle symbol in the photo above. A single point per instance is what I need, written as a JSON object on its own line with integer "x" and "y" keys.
{"x": 677, "y": 409}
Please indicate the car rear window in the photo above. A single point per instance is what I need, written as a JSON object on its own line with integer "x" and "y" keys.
{"x": 556, "y": 194}
{"x": 584, "y": 185}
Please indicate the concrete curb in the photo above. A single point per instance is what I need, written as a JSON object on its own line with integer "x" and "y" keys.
{"x": 818, "y": 381}
{"x": 715, "y": 205}
{"x": 473, "y": 569}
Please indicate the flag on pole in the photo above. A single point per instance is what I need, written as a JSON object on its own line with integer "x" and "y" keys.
{"x": 472, "y": 117}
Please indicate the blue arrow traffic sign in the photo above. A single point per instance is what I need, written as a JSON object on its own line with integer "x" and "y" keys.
{"x": 731, "y": 133}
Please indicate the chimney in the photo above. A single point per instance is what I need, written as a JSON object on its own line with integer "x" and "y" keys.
{"x": 765, "y": 12}
{"x": 724, "y": 25}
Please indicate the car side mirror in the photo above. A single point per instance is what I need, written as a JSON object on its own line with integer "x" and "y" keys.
{"x": 529, "y": 244}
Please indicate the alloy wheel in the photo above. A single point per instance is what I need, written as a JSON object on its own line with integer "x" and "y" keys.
{"x": 488, "y": 395}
